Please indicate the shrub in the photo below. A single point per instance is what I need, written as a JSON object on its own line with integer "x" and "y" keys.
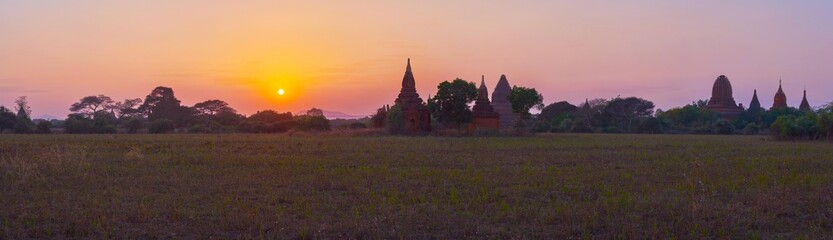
{"x": 723, "y": 126}
{"x": 313, "y": 123}
{"x": 358, "y": 125}
{"x": 161, "y": 126}
{"x": 395, "y": 120}
{"x": 77, "y": 124}
{"x": 43, "y": 127}
{"x": 133, "y": 125}
{"x": 751, "y": 129}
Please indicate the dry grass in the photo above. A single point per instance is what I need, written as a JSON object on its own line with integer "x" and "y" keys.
{"x": 273, "y": 186}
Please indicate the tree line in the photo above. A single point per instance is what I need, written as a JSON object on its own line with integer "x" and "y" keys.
{"x": 451, "y": 108}
{"x": 159, "y": 112}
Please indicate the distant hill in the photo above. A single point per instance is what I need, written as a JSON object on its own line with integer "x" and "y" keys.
{"x": 334, "y": 115}
{"x": 45, "y": 117}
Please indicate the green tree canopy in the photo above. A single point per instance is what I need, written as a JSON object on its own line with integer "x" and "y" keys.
{"x": 524, "y": 99}
{"x": 89, "y": 105}
{"x": 626, "y": 113}
{"x": 451, "y": 104}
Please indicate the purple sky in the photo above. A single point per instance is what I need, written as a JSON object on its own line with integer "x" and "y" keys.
{"x": 348, "y": 56}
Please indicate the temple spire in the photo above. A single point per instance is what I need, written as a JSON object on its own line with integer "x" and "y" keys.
{"x": 805, "y": 106}
{"x": 408, "y": 69}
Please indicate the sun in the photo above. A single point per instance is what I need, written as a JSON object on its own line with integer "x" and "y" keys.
{"x": 281, "y": 92}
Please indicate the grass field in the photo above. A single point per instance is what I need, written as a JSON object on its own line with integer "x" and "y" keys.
{"x": 278, "y": 186}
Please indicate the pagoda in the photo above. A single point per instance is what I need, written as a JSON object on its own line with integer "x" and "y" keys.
{"x": 805, "y": 106}
{"x": 501, "y": 104}
{"x": 755, "y": 105}
{"x": 416, "y": 113}
{"x": 722, "y": 100}
{"x": 780, "y": 100}
{"x": 484, "y": 114}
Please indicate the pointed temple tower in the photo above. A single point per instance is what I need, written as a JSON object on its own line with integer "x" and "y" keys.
{"x": 722, "y": 100}
{"x": 780, "y": 98}
{"x": 805, "y": 106}
{"x": 484, "y": 114}
{"x": 417, "y": 116}
{"x": 755, "y": 105}
{"x": 500, "y": 101}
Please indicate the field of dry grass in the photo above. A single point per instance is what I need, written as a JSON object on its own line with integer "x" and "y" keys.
{"x": 278, "y": 186}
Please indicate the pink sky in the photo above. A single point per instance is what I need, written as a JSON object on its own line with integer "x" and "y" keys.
{"x": 350, "y": 56}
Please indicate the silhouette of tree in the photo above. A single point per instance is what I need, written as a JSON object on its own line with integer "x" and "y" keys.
{"x": 129, "y": 108}
{"x": 162, "y": 104}
{"x": 7, "y": 119}
{"x": 43, "y": 127}
{"x": 24, "y": 121}
{"x": 89, "y": 105}
{"x": 557, "y": 110}
{"x": 378, "y": 119}
{"x": 450, "y": 106}
{"x": 213, "y": 107}
{"x": 524, "y": 99}
{"x": 625, "y": 113}
{"x": 315, "y": 112}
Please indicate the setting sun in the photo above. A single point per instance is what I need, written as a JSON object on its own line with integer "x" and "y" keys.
{"x": 280, "y": 92}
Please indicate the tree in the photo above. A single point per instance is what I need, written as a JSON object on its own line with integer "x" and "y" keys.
{"x": 315, "y": 112}
{"x": 43, "y": 127}
{"x": 314, "y": 123}
{"x": 22, "y": 107}
{"x": 523, "y": 99}
{"x": 76, "y": 123}
{"x": 450, "y": 106}
{"x": 134, "y": 124}
{"x": 270, "y": 116}
{"x": 161, "y": 126}
{"x": 395, "y": 121}
{"x": 129, "y": 108}
{"x": 625, "y": 113}
{"x": 379, "y": 118}
{"x": 24, "y": 121}
{"x": 7, "y": 119}
{"x": 558, "y": 110}
{"x": 89, "y": 105}
{"x": 213, "y": 107}
{"x": 162, "y": 104}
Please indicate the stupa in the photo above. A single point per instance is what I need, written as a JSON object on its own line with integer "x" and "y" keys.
{"x": 755, "y": 105}
{"x": 805, "y": 106}
{"x": 484, "y": 114}
{"x": 501, "y": 104}
{"x": 416, "y": 113}
{"x": 722, "y": 100}
{"x": 780, "y": 98}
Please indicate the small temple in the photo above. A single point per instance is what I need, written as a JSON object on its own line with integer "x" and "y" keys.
{"x": 501, "y": 104}
{"x": 755, "y": 105}
{"x": 722, "y": 100}
{"x": 484, "y": 114}
{"x": 780, "y": 100}
{"x": 805, "y": 106}
{"x": 416, "y": 113}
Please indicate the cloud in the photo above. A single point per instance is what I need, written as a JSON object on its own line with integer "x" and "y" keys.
{"x": 18, "y": 89}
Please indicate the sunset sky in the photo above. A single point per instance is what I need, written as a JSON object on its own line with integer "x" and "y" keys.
{"x": 350, "y": 56}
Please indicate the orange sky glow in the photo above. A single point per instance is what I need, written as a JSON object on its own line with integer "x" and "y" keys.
{"x": 350, "y": 56}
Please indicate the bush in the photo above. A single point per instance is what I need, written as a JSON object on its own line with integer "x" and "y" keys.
{"x": 43, "y": 127}
{"x": 751, "y": 129}
{"x": 78, "y": 125}
{"x": 395, "y": 120}
{"x": 358, "y": 125}
{"x": 23, "y": 126}
{"x": 724, "y": 127}
{"x": 313, "y": 123}
{"x": 133, "y": 125}
{"x": 161, "y": 126}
